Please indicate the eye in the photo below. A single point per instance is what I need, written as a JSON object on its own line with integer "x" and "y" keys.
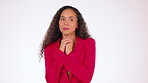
{"x": 71, "y": 19}
{"x": 62, "y": 19}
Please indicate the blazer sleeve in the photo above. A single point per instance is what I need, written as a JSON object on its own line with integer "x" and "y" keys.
{"x": 83, "y": 71}
{"x": 53, "y": 64}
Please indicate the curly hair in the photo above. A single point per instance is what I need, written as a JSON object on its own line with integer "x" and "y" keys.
{"x": 53, "y": 33}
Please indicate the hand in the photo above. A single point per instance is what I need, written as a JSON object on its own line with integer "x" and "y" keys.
{"x": 69, "y": 48}
{"x": 65, "y": 45}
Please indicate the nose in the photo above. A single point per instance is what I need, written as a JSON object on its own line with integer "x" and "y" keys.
{"x": 66, "y": 22}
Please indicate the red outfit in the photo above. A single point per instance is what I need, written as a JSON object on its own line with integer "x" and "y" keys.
{"x": 80, "y": 62}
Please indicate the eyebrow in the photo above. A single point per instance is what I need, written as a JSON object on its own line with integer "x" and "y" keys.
{"x": 68, "y": 17}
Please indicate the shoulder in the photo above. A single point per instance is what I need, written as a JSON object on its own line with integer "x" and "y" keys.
{"x": 53, "y": 45}
{"x": 89, "y": 44}
{"x": 89, "y": 41}
{"x": 49, "y": 46}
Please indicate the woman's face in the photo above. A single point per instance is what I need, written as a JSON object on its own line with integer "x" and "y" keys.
{"x": 68, "y": 22}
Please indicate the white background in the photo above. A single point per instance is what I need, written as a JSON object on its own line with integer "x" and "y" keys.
{"x": 120, "y": 28}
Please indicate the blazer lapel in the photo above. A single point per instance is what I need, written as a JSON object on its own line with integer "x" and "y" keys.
{"x": 78, "y": 46}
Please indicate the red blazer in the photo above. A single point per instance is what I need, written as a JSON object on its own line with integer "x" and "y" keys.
{"x": 80, "y": 62}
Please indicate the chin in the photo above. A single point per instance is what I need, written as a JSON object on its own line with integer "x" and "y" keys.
{"x": 66, "y": 33}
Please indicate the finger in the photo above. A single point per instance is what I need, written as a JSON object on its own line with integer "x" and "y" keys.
{"x": 68, "y": 40}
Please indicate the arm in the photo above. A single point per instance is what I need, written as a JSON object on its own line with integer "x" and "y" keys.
{"x": 83, "y": 72}
{"x": 53, "y": 64}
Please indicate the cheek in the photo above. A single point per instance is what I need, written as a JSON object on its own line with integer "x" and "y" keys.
{"x": 60, "y": 24}
{"x": 74, "y": 25}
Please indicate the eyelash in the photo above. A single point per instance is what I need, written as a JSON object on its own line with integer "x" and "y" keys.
{"x": 62, "y": 19}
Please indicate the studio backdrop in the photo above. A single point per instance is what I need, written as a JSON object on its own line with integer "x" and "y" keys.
{"x": 120, "y": 28}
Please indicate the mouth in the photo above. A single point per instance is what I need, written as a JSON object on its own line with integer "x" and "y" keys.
{"x": 65, "y": 28}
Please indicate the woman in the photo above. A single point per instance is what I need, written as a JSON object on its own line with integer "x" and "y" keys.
{"x": 68, "y": 49}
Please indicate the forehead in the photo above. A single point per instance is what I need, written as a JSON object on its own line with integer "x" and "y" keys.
{"x": 68, "y": 13}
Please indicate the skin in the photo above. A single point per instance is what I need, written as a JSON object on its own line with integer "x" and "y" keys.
{"x": 68, "y": 20}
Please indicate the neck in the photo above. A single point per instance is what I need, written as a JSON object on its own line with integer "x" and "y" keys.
{"x": 73, "y": 37}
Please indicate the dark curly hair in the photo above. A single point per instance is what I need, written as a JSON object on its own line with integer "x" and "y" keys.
{"x": 53, "y": 33}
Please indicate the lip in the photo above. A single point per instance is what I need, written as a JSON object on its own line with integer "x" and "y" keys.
{"x": 65, "y": 28}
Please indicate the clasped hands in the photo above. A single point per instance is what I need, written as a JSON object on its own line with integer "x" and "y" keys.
{"x": 66, "y": 45}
